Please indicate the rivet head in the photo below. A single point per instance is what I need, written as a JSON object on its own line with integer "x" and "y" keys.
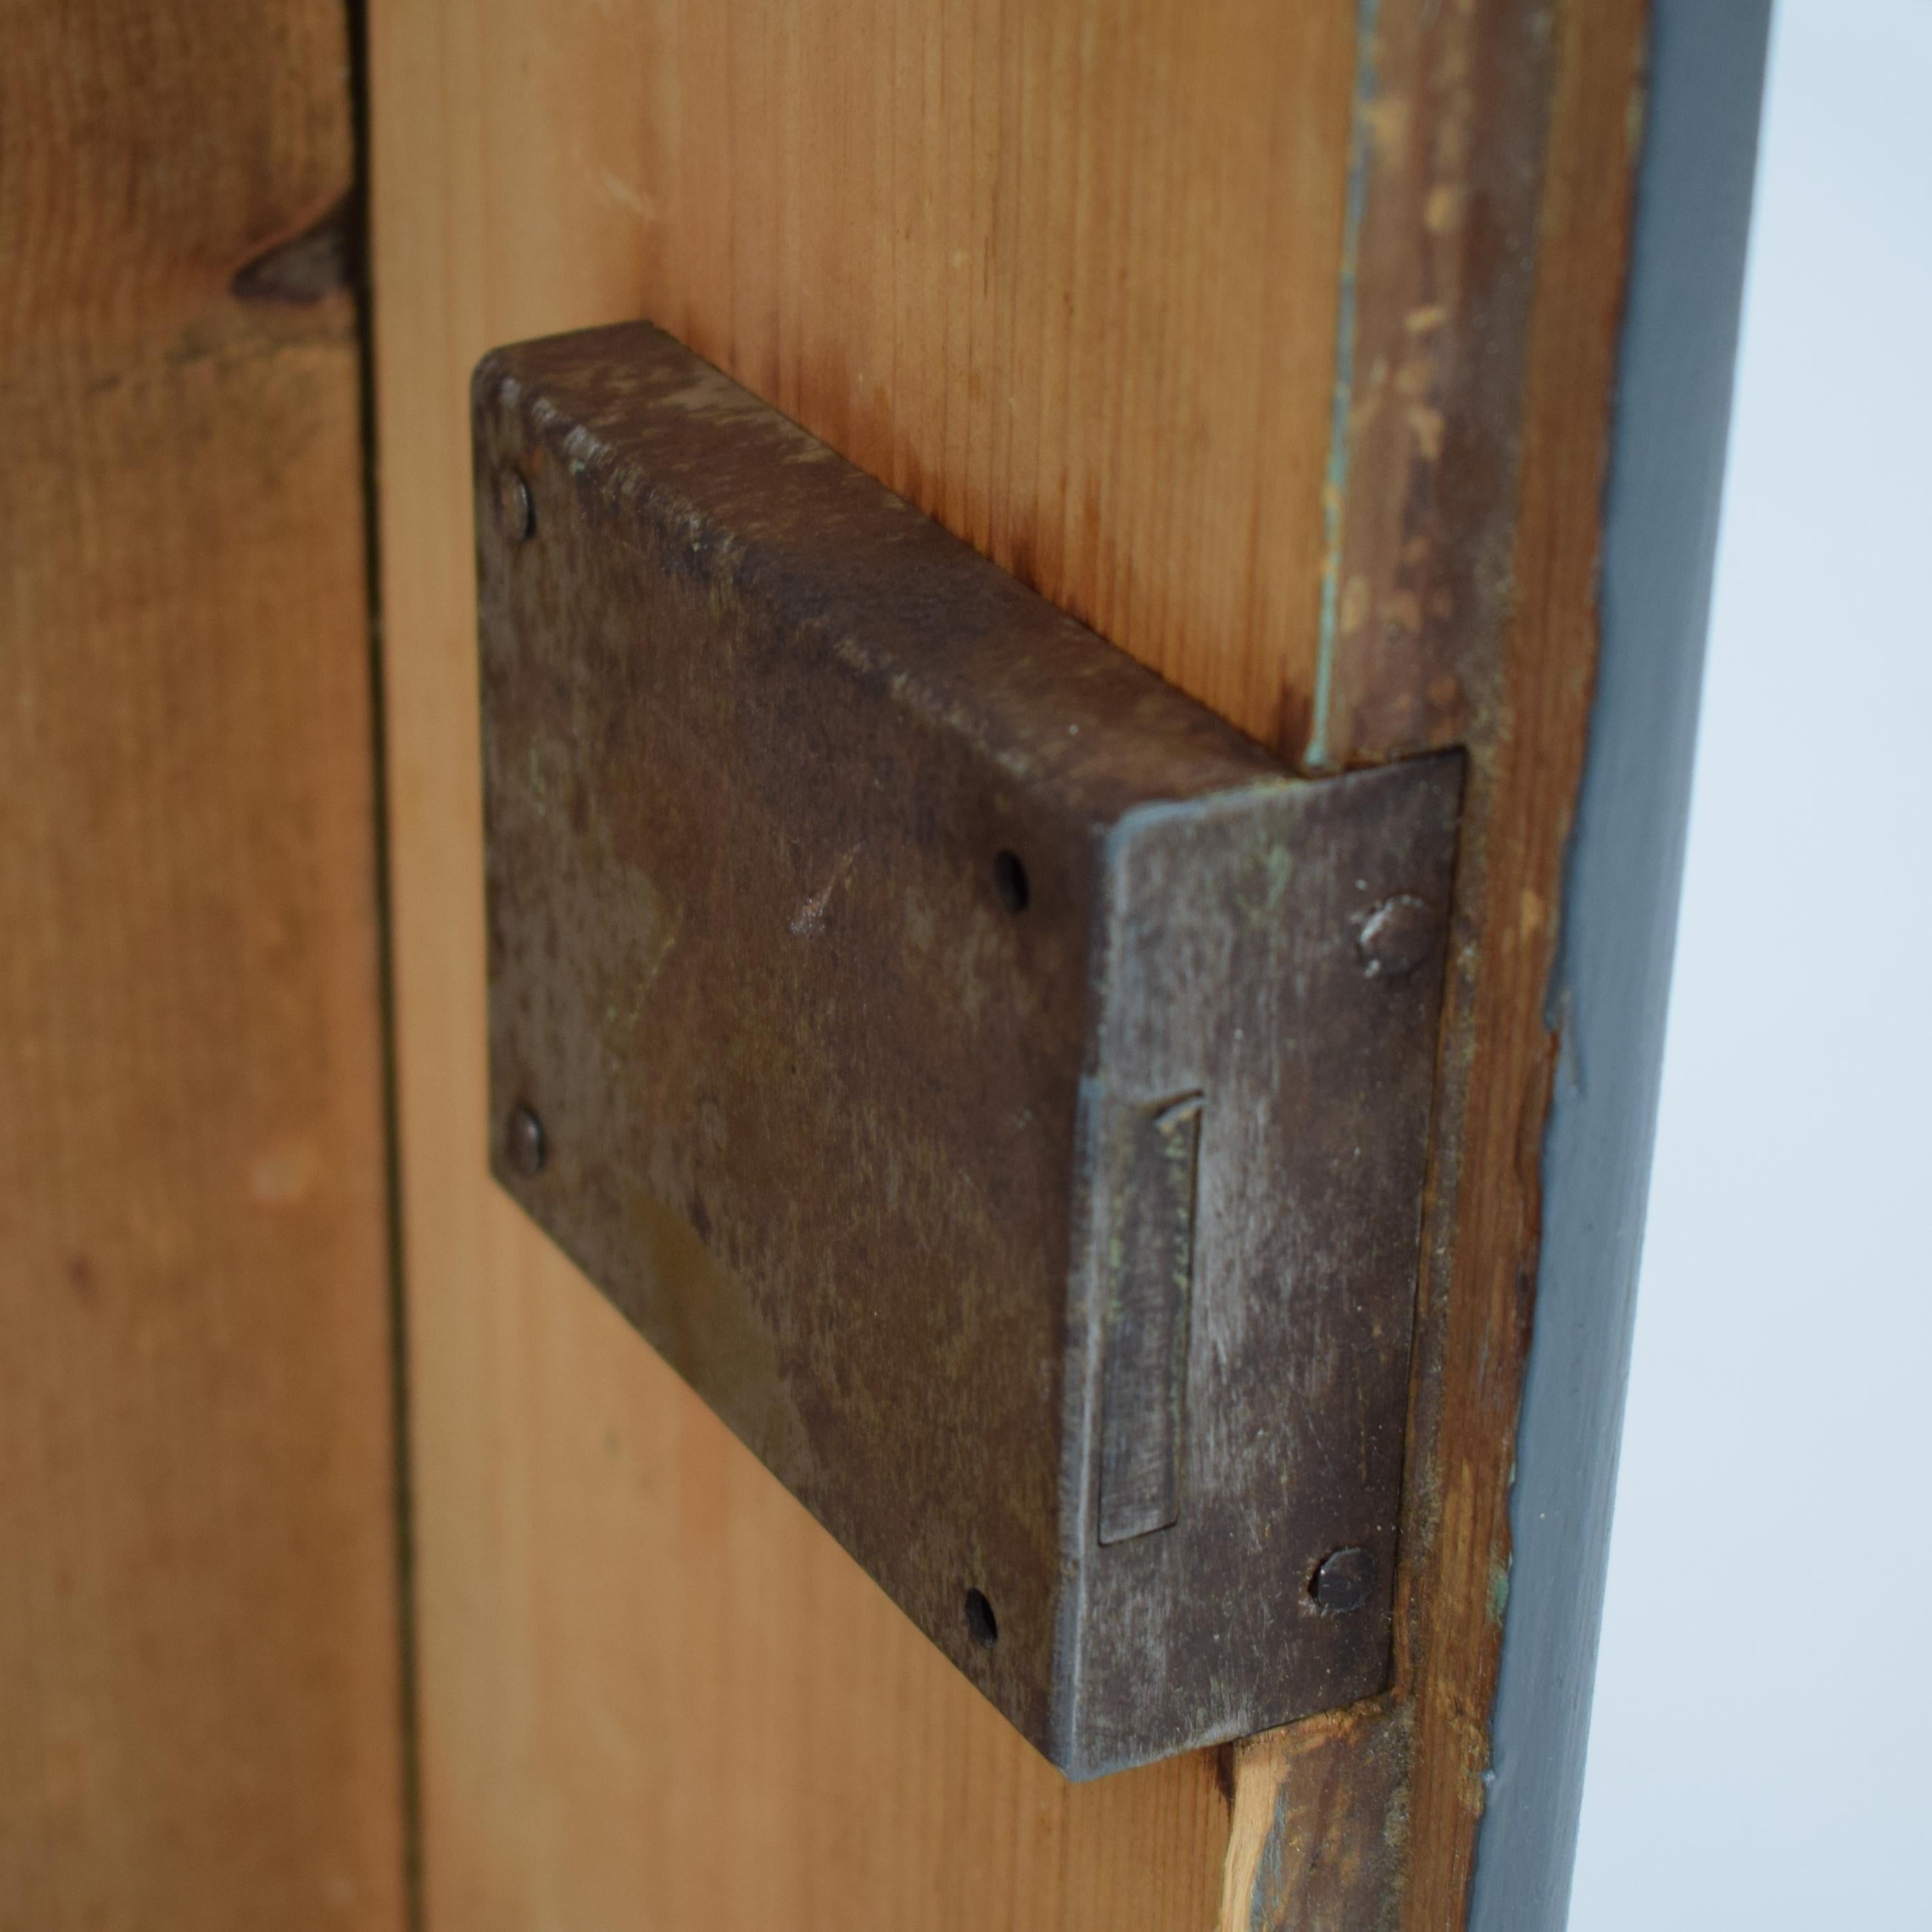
{"x": 1343, "y": 1581}
{"x": 523, "y": 1143}
{"x": 1397, "y": 937}
{"x": 516, "y": 508}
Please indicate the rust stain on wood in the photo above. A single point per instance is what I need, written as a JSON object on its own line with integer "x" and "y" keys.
{"x": 1446, "y": 171}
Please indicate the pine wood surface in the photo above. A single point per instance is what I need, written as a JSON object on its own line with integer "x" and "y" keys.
{"x": 200, "y": 1704}
{"x": 1073, "y": 277}
{"x": 1036, "y": 268}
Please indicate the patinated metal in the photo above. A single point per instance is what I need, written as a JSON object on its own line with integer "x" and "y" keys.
{"x": 998, "y": 1088}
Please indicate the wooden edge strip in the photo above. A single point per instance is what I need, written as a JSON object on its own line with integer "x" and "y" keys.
{"x": 1703, "y": 85}
{"x": 1437, "y": 278}
{"x": 1392, "y": 1798}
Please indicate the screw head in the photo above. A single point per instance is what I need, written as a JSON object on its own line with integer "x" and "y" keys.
{"x": 1397, "y": 937}
{"x": 1343, "y": 1581}
{"x": 516, "y": 508}
{"x": 523, "y": 1143}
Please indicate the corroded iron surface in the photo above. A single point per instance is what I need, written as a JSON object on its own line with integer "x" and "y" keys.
{"x": 999, "y": 1088}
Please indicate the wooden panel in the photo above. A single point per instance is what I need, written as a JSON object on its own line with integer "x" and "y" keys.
{"x": 1072, "y": 276}
{"x": 1065, "y": 274}
{"x": 199, "y": 1706}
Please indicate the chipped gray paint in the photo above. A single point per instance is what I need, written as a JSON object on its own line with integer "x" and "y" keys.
{"x": 1672, "y": 410}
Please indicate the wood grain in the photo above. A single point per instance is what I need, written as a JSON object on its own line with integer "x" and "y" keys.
{"x": 200, "y": 1710}
{"x": 1452, "y": 103}
{"x": 1073, "y": 277}
{"x": 1064, "y": 273}
{"x": 1531, "y": 758}
{"x": 1396, "y": 1792}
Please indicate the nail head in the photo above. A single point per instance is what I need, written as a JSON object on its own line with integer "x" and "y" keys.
{"x": 1343, "y": 1581}
{"x": 524, "y": 1143}
{"x": 516, "y": 509}
{"x": 1397, "y": 937}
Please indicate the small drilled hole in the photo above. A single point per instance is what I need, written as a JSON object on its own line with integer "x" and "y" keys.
{"x": 1009, "y": 877}
{"x": 981, "y": 1621}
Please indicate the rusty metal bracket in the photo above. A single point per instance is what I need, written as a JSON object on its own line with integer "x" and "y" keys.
{"x": 999, "y": 1088}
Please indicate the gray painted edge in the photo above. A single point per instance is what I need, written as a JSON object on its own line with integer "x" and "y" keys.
{"x": 1670, "y": 425}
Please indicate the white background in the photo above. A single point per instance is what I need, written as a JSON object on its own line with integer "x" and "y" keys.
{"x": 1760, "y": 1746}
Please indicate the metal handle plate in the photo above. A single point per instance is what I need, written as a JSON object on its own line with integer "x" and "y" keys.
{"x": 999, "y": 1088}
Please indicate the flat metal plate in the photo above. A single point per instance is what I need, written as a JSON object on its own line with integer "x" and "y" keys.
{"x": 998, "y": 1088}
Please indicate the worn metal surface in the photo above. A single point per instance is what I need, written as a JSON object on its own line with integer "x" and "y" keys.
{"x": 998, "y": 1088}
